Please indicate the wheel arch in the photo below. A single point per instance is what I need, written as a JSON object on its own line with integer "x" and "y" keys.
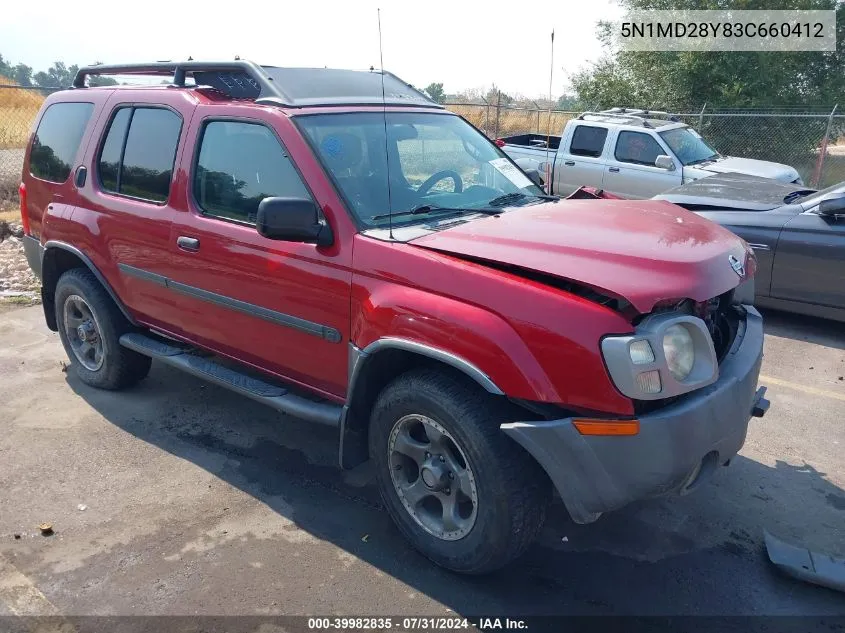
{"x": 59, "y": 257}
{"x": 372, "y": 368}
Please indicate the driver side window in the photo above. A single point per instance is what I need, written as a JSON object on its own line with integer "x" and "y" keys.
{"x": 435, "y": 150}
{"x": 238, "y": 165}
{"x": 637, "y": 148}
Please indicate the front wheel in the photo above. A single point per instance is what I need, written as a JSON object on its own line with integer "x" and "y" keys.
{"x": 463, "y": 493}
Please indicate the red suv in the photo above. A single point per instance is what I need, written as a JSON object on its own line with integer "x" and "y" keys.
{"x": 337, "y": 246}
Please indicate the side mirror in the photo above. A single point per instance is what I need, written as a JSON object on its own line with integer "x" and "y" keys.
{"x": 831, "y": 207}
{"x": 535, "y": 177}
{"x": 292, "y": 220}
{"x": 665, "y": 162}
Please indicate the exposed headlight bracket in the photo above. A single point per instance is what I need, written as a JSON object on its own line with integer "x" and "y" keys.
{"x": 617, "y": 355}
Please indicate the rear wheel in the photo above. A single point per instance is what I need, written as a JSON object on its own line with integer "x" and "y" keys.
{"x": 463, "y": 493}
{"x": 90, "y": 326}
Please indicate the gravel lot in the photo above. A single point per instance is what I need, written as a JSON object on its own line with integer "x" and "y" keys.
{"x": 11, "y": 162}
{"x": 197, "y": 501}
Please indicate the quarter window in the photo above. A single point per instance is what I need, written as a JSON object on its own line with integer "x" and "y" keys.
{"x": 57, "y": 140}
{"x": 137, "y": 156}
{"x": 238, "y": 165}
{"x": 637, "y": 148}
{"x": 588, "y": 140}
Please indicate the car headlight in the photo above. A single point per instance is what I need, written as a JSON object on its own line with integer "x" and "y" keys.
{"x": 679, "y": 351}
{"x": 668, "y": 354}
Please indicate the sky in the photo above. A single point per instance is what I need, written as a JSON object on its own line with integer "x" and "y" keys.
{"x": 464, "y": 45}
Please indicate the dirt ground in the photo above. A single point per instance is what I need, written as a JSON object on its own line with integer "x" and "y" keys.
{"x": 176, "y": 497}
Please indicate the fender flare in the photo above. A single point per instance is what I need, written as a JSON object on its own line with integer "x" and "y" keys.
{"x": 353, "y": 442}
{"x": 55, "y": 244}
{"x": 422, "y": 349}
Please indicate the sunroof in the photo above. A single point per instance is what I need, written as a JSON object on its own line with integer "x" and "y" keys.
{"x": 328, "y": 86}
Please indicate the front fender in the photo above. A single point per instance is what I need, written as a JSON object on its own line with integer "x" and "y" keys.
{"x": 474, "y": 340}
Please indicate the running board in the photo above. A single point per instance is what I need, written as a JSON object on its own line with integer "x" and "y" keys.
{"x": 273, "y": 396}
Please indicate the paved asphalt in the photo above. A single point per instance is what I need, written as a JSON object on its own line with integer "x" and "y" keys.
{"x": 198, "y": 501}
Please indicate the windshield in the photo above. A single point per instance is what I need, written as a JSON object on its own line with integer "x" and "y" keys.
{"x": 435, "y": 160}
{"x": 688, "y": 145}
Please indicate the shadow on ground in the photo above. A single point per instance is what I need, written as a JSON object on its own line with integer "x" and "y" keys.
{"x": 701, "y": 554}
{"x": 804, "y": 328}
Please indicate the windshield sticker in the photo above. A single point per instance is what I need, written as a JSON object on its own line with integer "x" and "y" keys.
{"x": 511, "y": 172}
{"x": 694, "y": 133}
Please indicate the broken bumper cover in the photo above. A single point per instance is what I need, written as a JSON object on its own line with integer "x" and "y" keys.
{"x": 676, "y": 447}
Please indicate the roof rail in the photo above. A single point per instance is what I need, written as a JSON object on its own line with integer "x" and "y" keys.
{"x": 262, "y": 82}
{"x": 628, "y": 118}
{"x": 272, "y": 85}
{"x": 645, "y": 114}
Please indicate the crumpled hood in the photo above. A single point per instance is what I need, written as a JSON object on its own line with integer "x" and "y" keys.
{"x": 736, "y": 191}
{"x": 643, "y": 251}
{"x": 764, "y": 168}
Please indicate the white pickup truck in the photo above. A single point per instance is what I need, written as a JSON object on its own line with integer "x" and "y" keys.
{"x": 630, "y": 153}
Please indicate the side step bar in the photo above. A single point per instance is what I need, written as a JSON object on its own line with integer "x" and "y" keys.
{"x": 272, "y": 395}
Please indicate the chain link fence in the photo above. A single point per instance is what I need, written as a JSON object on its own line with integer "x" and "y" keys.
{"x": 18, "y": 107}
{"x": 813, "y": 142}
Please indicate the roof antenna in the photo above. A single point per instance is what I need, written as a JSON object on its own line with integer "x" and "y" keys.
{"x": 548, "y": 169}
{"x": 384, "y": 116}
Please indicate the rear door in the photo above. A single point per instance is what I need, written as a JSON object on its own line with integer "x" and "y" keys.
{"x": 809, "y": 262}
{"x": 630, "y": 170}
{"x": 127, "y": 203}
{"x": 582, "y": 161}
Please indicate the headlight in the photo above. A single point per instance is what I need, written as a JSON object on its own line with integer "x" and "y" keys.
{"x": 679, "y": 351}
{"x": 668, "y": 354}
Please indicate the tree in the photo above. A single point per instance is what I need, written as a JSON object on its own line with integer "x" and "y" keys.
{"x": 681, "y": 81}
{"x": 494, "y": 95}
{"x": 685, "y": 81}
{"x": 568, "y": 102}
{"x": 58, "y": 75}
{"x": 435, "y": 91}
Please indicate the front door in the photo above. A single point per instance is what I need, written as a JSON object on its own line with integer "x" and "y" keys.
{"x": 630, "y": 170}
{"x": 281, "y": 306}
{"x": 810, "y": 261}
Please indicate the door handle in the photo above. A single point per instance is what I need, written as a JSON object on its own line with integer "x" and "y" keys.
{"x": 188, "y": 243}
{"x": 613, "y": 169}
{"x": 569, "y": 163}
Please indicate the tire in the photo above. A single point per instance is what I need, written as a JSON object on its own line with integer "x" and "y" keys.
{"x": 80, "y": 297}
{"x": 512, "y": 491}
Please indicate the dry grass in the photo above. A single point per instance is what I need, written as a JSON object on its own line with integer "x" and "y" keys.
{"x": 512, "y": 121}
{"x": 17, "y": 110}
{"x": 11, "y": 214}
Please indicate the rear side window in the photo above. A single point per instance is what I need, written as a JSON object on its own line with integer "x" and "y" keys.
{"x": 57, "y": 140}
{"x": 137, "y": 156}
{"x": 238, "y": 165}
{"x": 637, "y": 148}
{"x": 588, "y": 141}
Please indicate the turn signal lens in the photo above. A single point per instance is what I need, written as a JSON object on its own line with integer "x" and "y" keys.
{"x": 606, "y": 427}
{"x": 641, "y": 352}
{"x": 649, "y": 382}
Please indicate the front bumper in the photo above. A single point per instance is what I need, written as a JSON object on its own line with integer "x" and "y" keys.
{"x": 675, "y": 449}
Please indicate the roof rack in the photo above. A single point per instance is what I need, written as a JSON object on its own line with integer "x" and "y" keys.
{"x": 645, "y": 114}
{"x": 179, "y": 70}
{"x": 627, "y": 118}
{"x": 290, "y": 87}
